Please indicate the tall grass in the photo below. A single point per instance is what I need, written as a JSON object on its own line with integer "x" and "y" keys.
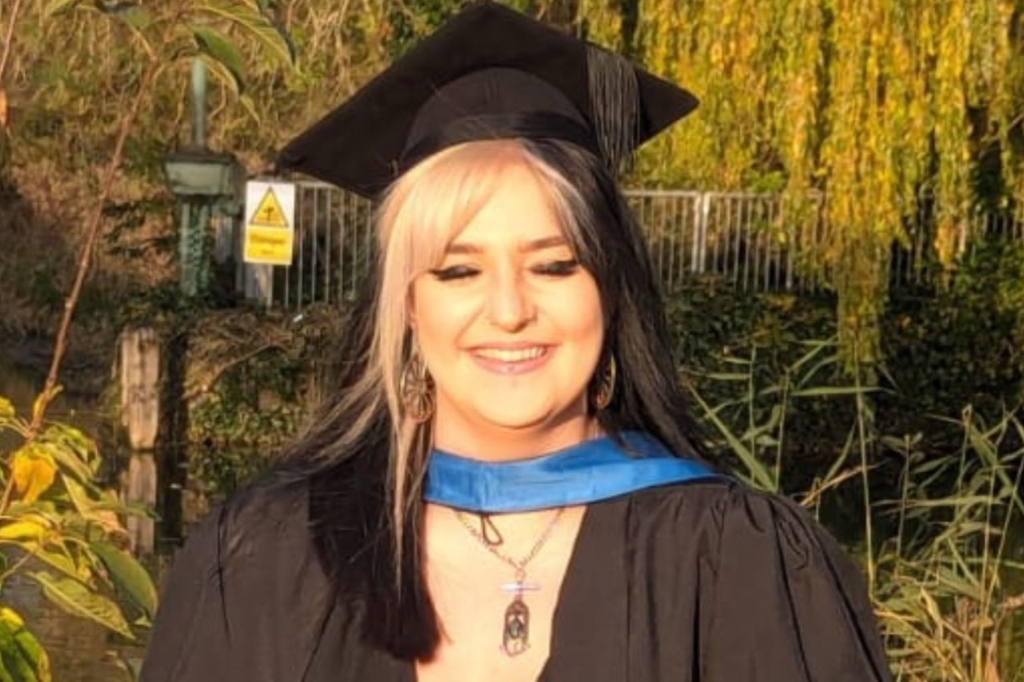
{"x": 941, "y": 535}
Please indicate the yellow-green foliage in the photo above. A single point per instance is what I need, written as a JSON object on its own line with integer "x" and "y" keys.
{"x": 876, "y": 102}
{"x": 873, "y": 102}
{"x": 61, "y": 529}
{"x": 941, "y": 531}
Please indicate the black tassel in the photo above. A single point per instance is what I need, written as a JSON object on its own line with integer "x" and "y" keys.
{"x": 614, "y": 106}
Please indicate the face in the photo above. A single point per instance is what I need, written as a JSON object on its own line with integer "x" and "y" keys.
{"x": 511, "y": 328}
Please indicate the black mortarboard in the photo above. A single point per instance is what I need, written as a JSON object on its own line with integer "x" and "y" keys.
{"x": 489, "y": 72}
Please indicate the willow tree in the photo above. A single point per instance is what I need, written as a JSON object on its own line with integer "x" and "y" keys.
{"x": 883, "y": 106}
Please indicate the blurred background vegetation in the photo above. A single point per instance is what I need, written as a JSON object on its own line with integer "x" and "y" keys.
{"x": 894, "y": 415}
{"x": 883, "y": 105}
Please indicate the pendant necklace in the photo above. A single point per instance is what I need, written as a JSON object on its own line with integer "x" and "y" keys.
{"x": 515, "y": 633}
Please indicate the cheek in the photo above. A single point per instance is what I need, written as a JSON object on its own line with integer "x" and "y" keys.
{"x": 437, "y": 318}
{"x": 424, "y": 313}
{"x": 581, "y": 315}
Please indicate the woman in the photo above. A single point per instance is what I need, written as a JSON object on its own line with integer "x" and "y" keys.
{"x": 504, "y": 486}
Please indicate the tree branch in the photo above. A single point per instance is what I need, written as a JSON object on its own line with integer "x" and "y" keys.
{"x": 94, "y": 226}
{"x": 24, "y": 559}
{"x": 9, "y": 40}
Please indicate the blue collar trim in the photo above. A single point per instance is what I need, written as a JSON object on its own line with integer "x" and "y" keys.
{"x": 591, "y": 471}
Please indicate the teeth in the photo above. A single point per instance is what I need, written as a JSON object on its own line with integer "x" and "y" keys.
{"x": 517, "y": 355}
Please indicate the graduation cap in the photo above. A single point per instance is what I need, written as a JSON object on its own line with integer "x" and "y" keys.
{"x": 487, "y": 73}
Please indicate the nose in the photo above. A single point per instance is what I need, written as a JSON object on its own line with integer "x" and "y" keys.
{"x": 509, "y": 306}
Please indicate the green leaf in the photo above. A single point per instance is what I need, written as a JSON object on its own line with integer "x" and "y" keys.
{"x": 70, "y": 461}
{"x": 732, "y": 360}
{"x": 13, "y": 666}
{"x": 43, "y": 401}
{"x": 223, "y": 74}
{"x": 221, "y": 49}
{"x": 816, "y": 347}
{"x": 128, "y": 575}
{"x": 33, "y": 471}
{"x": 72, "y": 438}
{"x": 82, "y": 528}
{"x": 759, "y": 475}
{"x": 249, "y": 105}
{"x": 20, "y": 651}
{"x": 7, "y": 410}
{"x": 953, "y": 501}
{"x": 268, "y": 34}
{"x": 59, "y": 6}
{"x": 966, "y": 586}
{"x": 828, "y": 391}
{"x": 136, "y": 16}
{"x": 79, "y": 600}
{"x": 23, "y": 529}
{"x": 58, "y": 560}
{"x": 79, "y": 495}
{"x": 728, "y": 376}
{"x": 139, "y": 509}
{"x": 74, "y": 444}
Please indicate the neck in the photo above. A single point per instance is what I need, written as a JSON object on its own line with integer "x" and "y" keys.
{"x": 500, "y": 444}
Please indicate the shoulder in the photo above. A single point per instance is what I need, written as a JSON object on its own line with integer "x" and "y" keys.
{"x": 265, "y": 508}
{"x": 708, "y": 500}
{"x": 733, "y": 521}
{"x": 246, "y": 593}
{"x": 269, "y": 506}
{"x": 263, "y": 524}
{"x": 770, "y": 578}
{"x": 257, "y": 545}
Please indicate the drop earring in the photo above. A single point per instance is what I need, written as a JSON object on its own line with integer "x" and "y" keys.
{"x": 606, "y": 386}
{"x": 415, "y": 388}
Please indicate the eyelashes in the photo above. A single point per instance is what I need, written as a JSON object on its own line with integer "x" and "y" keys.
{"x": 558, "y": 268}
{"x": 454, "y": 272}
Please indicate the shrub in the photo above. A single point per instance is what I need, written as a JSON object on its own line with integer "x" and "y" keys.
{"x": 61, "y": 529}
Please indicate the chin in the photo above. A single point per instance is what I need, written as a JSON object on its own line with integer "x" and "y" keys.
{"x": 515, "y": 420}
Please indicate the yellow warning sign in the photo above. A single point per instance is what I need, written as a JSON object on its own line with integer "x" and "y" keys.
{"x": 269, "y": 212}
{"x": 269, "y": 223}
{"x": 270, "y": 245}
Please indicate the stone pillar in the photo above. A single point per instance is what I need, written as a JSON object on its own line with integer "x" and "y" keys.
{"x": 140, "y": 415}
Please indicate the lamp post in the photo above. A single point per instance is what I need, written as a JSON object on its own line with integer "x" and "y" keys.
{"x": 206, "y": 183}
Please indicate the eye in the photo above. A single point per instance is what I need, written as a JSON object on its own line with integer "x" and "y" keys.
{"x": 454, "y": 272}
{"x": 558, "y": 268}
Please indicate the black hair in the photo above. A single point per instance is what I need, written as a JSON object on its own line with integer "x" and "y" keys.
{"x": 648, "y": 396}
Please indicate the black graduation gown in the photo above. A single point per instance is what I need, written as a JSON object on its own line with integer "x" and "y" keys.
{"x": 696, "y": 582}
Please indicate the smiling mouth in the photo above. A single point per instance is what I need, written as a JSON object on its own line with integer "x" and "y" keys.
{"x": 511, "y": 355}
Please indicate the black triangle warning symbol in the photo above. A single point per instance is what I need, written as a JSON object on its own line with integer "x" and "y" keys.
{"x": 269, "y": 212}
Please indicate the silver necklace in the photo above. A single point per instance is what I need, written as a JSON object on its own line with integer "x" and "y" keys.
{"x": 515, "y": 632}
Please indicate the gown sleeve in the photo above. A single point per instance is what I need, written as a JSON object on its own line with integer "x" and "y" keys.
{"x": 245, "y": 599}
{"x": 788, "y": 605}
{"x": 190, "y": 637}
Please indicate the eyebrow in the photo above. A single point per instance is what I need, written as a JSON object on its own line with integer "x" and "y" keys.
{"x": 524, "y": 247}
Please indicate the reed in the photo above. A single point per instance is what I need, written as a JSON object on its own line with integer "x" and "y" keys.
{"x": 941, "y": 534}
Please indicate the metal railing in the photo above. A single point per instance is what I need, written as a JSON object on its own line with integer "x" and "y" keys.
{"x": 741, "y": 237}
{"x": 334, "y": 241}
{"x": 749, "y": 240}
